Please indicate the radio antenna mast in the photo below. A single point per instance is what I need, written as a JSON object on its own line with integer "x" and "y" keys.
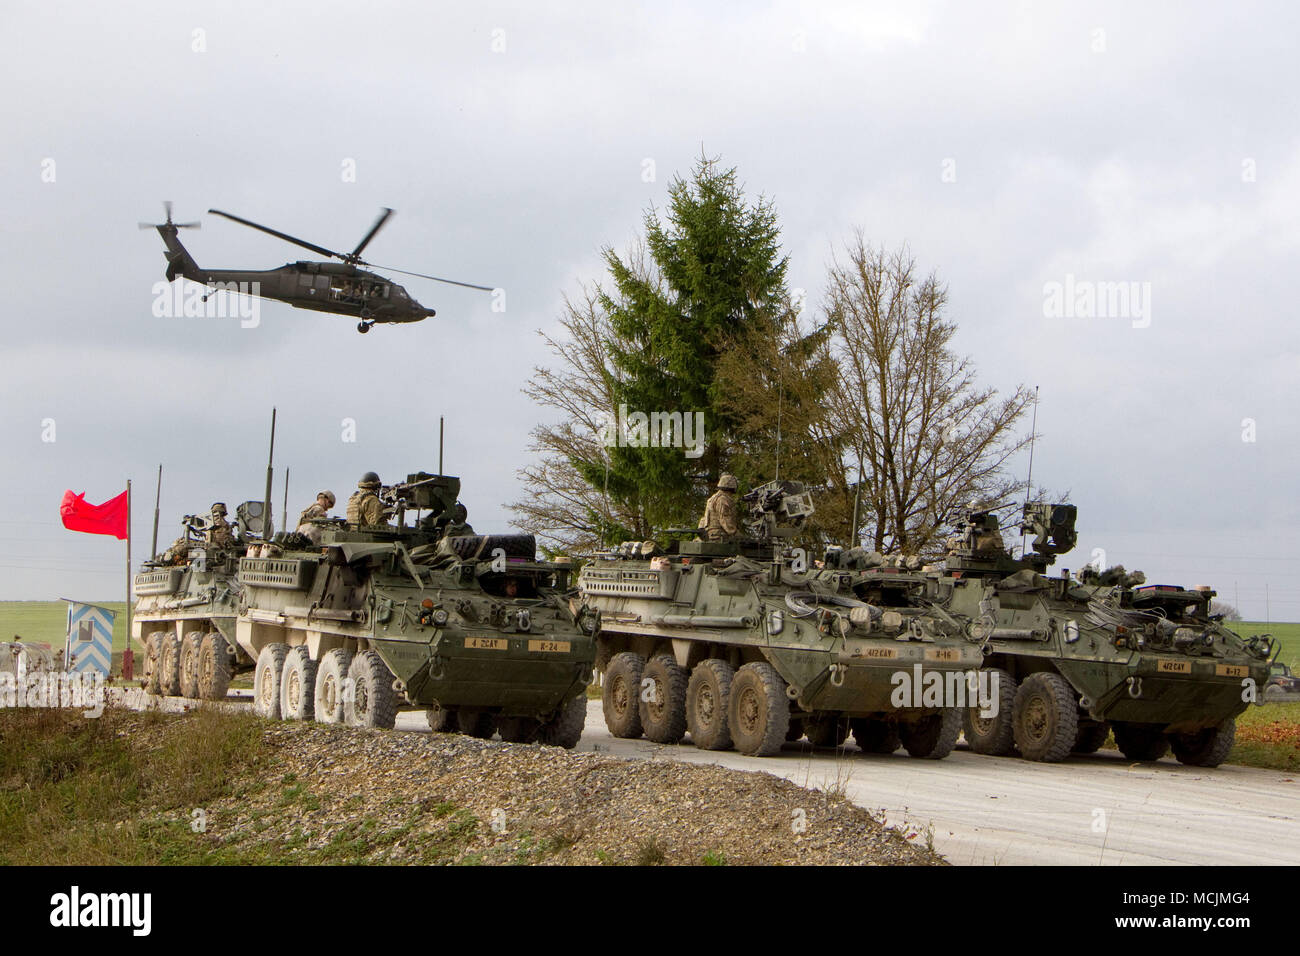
{"x": 1029, "y": 482}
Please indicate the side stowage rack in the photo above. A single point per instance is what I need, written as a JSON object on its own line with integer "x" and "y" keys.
{"x": 289, "y": 573}
{"x": 162, "y": 581}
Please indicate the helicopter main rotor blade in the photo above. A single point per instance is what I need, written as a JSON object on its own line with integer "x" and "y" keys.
{"x": 280, "y": 235}
{"x": 379, "y": 224}
{"x": 421, "y": 275}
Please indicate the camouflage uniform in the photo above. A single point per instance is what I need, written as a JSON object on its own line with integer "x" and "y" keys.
{"x": 458, "y": 526}
{"x": 312, "y": 511}
{"x": 219, "y": 533}
{"x": 720, "y": 522}
{"x": 365, "y": 510}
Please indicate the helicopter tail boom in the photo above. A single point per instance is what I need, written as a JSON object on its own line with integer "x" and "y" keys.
{"x": 179, "y": 260}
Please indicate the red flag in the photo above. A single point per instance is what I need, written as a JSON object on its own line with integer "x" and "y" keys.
{"x": 108, "y": 518}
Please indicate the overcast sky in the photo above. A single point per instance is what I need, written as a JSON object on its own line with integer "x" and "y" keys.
{"x": 1010, "y": 145}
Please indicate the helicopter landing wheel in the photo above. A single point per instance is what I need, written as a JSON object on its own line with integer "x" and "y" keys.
{"x": 364, "y": 327}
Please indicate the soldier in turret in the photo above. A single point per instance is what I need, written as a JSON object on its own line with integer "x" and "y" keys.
{"x": 365, "y": 510}
{"x": 320, "y": 508}
{"x": 720, "y": 522}
{"x": 219, "y": 533}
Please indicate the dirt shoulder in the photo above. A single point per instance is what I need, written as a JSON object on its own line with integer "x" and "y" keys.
{"x": 306, "y": 793}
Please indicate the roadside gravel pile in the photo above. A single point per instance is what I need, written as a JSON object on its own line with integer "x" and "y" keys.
{"x": 335, "y": 794}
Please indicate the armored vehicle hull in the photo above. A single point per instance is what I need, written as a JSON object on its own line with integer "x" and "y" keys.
{"x": 735, "y": 646}
{"x": 184, "y": 617}
{"x": 1079, "y": 660}
{"x": 472, "y": 629}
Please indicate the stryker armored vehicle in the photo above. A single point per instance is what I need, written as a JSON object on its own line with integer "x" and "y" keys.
{"x": 471, "y": 628}
{"x": 743, "y": 643}
{"x": 186, "y": 602}
{"x": 1076, "y": 658}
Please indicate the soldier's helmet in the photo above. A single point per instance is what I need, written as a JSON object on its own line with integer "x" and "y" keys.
{"x": 459, "y": 513}
{"x": 727, "y": 482}
{"x": 328, "y": 496}
{"x": 368, "y": 481}
{"x": 219, "y": 508}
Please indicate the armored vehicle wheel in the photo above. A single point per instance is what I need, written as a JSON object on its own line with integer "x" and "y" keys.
{"x": 565, "y": 728}
{"x": 796, "y": 730}
{"x": 149, "y": 669}
{"x": 1205, "y": 748}
{"x": 662, "y": 701}
{"x": 1139, "y": 741}
{"x": 933, "y": 736}
{"x": 826, "y": 730}
{"x": 214, "y": 667}
{"x": 190, "y": 663}
{"x": 372, "y": 703}
{"x": 707, "y": 694}
{"x": 875, "y": 736}
{"x": 442, "y": 720}
{"x": 1045, "y": 717}
{"x": 331, "y": 678}
{"x": 298, "y": 685}
{"x": 1091, "y": 736}
{"x": 169, "y": 666}
{"x": 266, "y": 680}
{"x": 994, "y": 735}
{"x": 758, "y": 711}
{"x": 621, "y": 695}
{"x": 519, "y": 730}
{"x": 476, "y": 723}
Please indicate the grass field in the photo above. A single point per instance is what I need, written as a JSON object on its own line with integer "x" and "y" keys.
{"x": 46, "y": 622}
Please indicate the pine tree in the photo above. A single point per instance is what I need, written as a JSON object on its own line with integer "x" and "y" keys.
{"x": 718, "y": 278}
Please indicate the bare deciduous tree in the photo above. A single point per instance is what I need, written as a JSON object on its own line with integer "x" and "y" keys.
{"x": 929, "y": 439}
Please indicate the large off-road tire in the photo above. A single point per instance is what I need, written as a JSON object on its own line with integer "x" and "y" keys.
{"x": 994, "y": 736}
{"x": 373, "y": 702}
{"x": 707, "y": 694}
{"x": 266, "y": 680}
{"x": 442, "y": 720}
{"x": 758, "y": 711}
{"x": 476, "y": 723}
{"x": 875, "y": 736}
{"x": 620, "y": 696}
{"x": 189, "y": 668}
{"x": 565, "y": 728}
{"x": 933, "y": 736}
{"x": 663, "y": 701}
{"x": 826, "y": 730}
{"x": 169, "y": 666}
{"x": 214, "y": 667}
{"x": 1091, "y": 736}
{"x": 152, "y": 653}
{"x": 1140, "y": 741}
{"x": 519, "y": 730}
{"x": 331, "y": 686}
{"x": 1045, "y": 717}
{"x": 298, "y": 685}
{"x": 1205, "y": 748}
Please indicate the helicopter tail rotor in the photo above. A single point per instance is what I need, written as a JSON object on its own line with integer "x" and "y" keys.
{"x": 167, "y": 207}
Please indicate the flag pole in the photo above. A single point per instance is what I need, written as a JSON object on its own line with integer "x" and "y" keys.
{"x": 128, "y": 568}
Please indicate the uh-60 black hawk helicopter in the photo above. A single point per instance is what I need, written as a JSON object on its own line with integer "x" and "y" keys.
{"x": 343, "y": 288}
